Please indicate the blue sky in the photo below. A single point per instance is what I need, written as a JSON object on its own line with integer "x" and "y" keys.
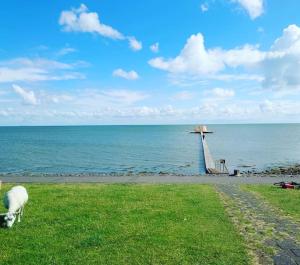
{"x": 149, "y": 62}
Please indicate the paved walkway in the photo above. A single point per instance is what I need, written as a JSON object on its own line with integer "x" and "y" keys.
{"x": 206, "y": 179}
{"x": 268, "y": 233}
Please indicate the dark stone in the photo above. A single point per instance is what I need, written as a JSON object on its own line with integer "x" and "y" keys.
{"x": 296, "y": 252}
{"x": 287, "y": 244}
{"x": 297, "y": 260}
{"x": 283, "y": 259}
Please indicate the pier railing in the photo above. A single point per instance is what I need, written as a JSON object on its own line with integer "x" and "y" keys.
{"x": 221, "y": 166}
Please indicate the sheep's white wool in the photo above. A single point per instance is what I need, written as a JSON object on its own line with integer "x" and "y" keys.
{"x": 15, "y": 200}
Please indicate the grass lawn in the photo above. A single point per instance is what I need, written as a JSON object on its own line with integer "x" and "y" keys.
{"x": 122, "y": 224}
{"x": 285, "y": 199}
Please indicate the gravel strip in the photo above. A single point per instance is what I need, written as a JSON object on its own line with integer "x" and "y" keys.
{"x": 94, "y": 178}
{"x": 269, "y": 235}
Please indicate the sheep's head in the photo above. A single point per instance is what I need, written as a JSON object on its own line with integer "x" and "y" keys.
{"x": 10, "y": 219}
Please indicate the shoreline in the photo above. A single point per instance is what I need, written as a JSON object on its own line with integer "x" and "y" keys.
{"x": 148, "y": 179}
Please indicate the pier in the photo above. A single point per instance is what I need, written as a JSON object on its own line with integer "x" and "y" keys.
{"x": 211, "y": 166}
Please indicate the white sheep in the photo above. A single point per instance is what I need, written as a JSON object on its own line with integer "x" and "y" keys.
{"x": 15, "y": 200}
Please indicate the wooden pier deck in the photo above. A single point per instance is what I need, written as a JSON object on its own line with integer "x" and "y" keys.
{"x": 210, "y": 165}
{"x": 209, "y": 162}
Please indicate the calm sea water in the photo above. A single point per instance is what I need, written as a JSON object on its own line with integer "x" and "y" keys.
{"x": 144, "y": 149}
{"x": 101, "y": 149}
{"x": 256, "y": 146}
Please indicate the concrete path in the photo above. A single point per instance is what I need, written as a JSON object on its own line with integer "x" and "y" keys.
{"x": 206, "y": 179}
{"x": 268, "y": 233}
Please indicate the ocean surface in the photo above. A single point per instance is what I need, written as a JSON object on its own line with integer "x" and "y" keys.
{"x": 144, "y": 149}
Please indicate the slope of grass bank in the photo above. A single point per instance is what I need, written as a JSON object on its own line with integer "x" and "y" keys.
{"x": 285, "y": 199}
{"x": 122, "y": 224}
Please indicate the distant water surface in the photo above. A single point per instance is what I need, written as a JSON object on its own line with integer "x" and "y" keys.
{"x": 256, "y": 146}
{"x": 100, "y": 149}
{"x": 144, "y": 149}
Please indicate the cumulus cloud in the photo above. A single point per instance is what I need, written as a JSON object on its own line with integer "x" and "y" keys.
{"x": 130, "y": 75}
{"x": 254, "y": 8}
{"x": 196, "y": 59}
{"x": 276, "y": 68}
{"x": 193, "y": 58}
{"x": 38, "y": 69}
{"x": 28, "y": 96}
{"x": 134, "y": 44}
{"x": 155, "y": 47}
{"x": 282, "y": 63}
{"x": 81, "y": 20}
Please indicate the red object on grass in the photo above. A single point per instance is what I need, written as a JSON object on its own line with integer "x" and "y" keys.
{"x": 288, "y": 186}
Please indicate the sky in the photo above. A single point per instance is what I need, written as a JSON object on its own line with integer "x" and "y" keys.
{"x": 149, "y": 62}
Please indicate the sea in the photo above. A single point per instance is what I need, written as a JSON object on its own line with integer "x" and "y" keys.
{"x": 145, "y": 149}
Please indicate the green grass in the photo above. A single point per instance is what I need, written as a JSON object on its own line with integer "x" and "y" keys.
{"x": 122, "y": 224}
{"x": 285, "y": 199}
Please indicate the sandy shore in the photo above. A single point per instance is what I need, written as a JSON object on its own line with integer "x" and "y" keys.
{"x": 209, "y": 179}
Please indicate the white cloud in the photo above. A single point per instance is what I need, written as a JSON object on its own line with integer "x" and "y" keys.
{"x": 240, "y": 110}
{"x": 28, "y": 96}
{"x": 247, "y": 55}
{"x": 155, "y": 47}
{"x": 282, "y": 63}
{"x": 130, "y": 75}
{"x": 134, "y": 44}
{"x": 116, "y": 106}
{"x": 65, "y": 51}
{"x": 81, "y": 99}
{"x": 193, "y": 58}
{"x": 37, "y": 63}
{"x": 289, "y": 41}
{"x": 196, "y": 59}
{"x": 221, "y": 93}
{"x": 276, "y": 68}
{"x": 204, "y": 7}
{"x": 83, "y": 21}
{"x": 39, "y": 69}
{"x": 183, "y": 95}
{"x": 254, "y": 8}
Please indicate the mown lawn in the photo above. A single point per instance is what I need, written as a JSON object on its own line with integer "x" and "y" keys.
{"x": 285, "y": 199}
{"x": 122, "y": 224}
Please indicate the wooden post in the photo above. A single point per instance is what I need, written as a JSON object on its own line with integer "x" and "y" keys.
{"x": 236, "y": 172}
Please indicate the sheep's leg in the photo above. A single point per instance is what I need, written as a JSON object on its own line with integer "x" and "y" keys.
{"x": 22, "y": 212}
{"x": 19, "y": 216}
{"x": 19, "y": 213}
